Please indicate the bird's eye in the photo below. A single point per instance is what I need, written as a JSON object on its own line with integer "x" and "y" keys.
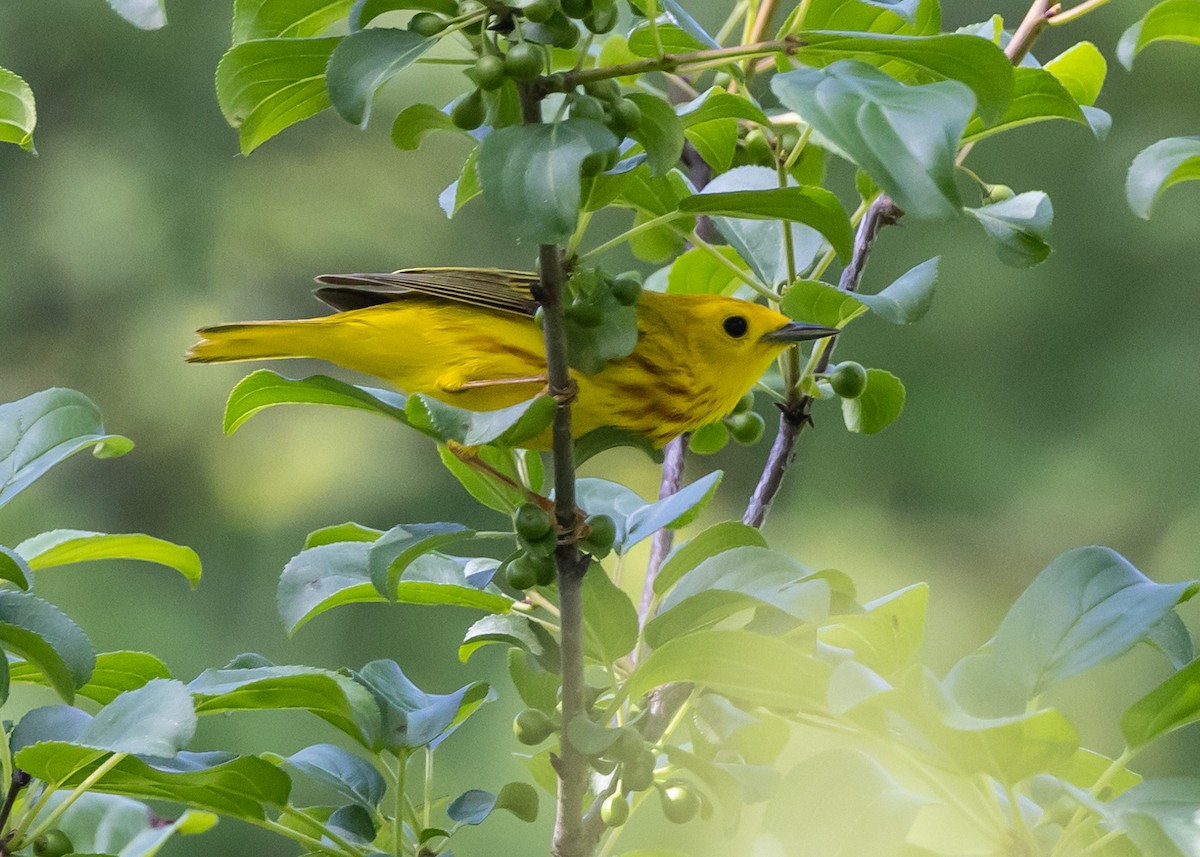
{"x": 736, "y": 326}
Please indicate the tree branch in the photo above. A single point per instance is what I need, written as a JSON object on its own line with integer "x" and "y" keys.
{"x": 672, "y": 481}
{"x": 794, "y": 416}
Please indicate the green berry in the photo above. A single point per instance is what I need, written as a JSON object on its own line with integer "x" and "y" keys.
{"x": 747, "y": 428}
{"x": 679, "y": 804}
{"x": 993, "y": 193}
{"x": 626, "y": 288}
{"x": 532, "y": 727}
{"x": 489, "y": 72}
{"x": 53, "y": 843}
{"x": 587, "y": 107}
{"x": 625, "y": 117}
{"x": 566, "y": 37}
{"x": 615, "y": 810}
{"x": 521, "y": 573}
{"x": 602, "y": 765}
{"x": 758, "y": 150}
{"x": 427, "y": 24}
{"x": 547, "y": 571}
{"x": 848, "y": 380}
{"x": 523, "y": 61}
{"x": 539, "y": 11}
{"x": 469, "y": 111}
{"x": 532, "y": 521}
{"x": 576, "y": 9}
{"x": 745, "y": 403}
{"x": 602, "y": 18}
{"x": 606, "y": 90}
{"x": 602, "y": 533}
{"x": 709, "y": 438}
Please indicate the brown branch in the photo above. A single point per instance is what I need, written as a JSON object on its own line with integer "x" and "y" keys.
{"x": 672, "y": 481}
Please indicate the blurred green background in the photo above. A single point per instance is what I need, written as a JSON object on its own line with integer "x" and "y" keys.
{"x": 1046, "y": 408}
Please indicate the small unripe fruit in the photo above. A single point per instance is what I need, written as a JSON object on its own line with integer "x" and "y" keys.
{"x": 993, "y": 193}
{"x": 615, "y": 810}
{"x": 585, "y": 315}
{"x": 532, "y": 727}
{"x": 587, "y": 107}
{"x": 625, "y": 117}
{"x": 489, "y": 72}
{"x": 576, "y": 8}
{"x": 626, "y": 289}
{"x": 747, "y": 428}
{"x": 521, "y": 573}
{"x": 606, "y": 90}
{"x": 531, "y": 521}
{"x": 53, "y": 843}
{"x": 602, "y": 765}
{"x": 523, "y": 61}
{"x": 745, "y": 403}
{"x": 427, "y": 24}
{"x": 679, "y": 804}
{"x": 602, "y": 19}
{"x": 540, "y": 11}
{"x": 547, "y": 571}
{"x": 469, "y": 111}
{"x": 848, "y": 380}
{"x": 602, "y": 532}
{"x": 709, "y": 439}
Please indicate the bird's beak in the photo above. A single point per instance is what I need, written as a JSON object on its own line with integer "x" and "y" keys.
{"x": 798, "y": 331}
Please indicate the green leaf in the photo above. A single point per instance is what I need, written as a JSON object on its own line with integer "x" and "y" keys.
{"x": 887, "y": 635}
{"x": 697, "y": 272}
{"x": 293, "y": 19}
{"x": 905, "y": 137}
{"x": 717, "y": 103}
{"x": 154, "y": 720}
{"x": 230, "y": 785}
{"x": 110, "y": 824}
{"x": 365, "y": 11}
{"x": 590, "y": 348}
{"x": 474, "y": 806}
{"x": 323, "y": 577}
{"x": 41, "y": 430}
{"x": 715, "y": 142}
{"x": 504, "y": 427}
{"x": 660, "y": 132}
{"x": 841, "y": 802}
{"x": 537, "y": 687}
{"x": 906, "y": 17}
{"x": 1018, "y": 227}
{"x": 1158, "y": 167}
{"x": 415, "y": 122}
{"x": 671, "y": 513}
{"x": 411, "y": 717}
{"x": 975, "y": 62}
{"x": 264, "y": 388}
{"x": 812, "y": 206}
{"x": 114, "y": 673}
{"x": 908, "y": 298}
{"x": 464, "y": 189}
{"x": 334, "y": 698}
{"x": 363, "y": 62}
{"x": 687, "y": 23}
{"x": 733, "y": 581}
{"x": 348, "y": 532}
{"x": 738, "y": 664}
{"x": 18, "y": 113}
{"x": 1081, "y": 68}
{"x": 529, "y": 175}
{"x": 878, "y": 406}
{"x": 265, "y": 85}
{"x": 14, "y": 568}
{"x": 1171, "y": 705}
{"x": 63, "y": 547}
{"x": 610, "y": 621}
{"x": 1085, "y": 608}
{"x": 610, "y": 437}
{"x": 1171, "y": 637}
{"x": 589, "y": 737}
{"x": 352, "y": 778}
{"x": 143, "y": 14}
{"x": 1170, "y": 21}
{"x": 392, "y": 553}
{"x": 818, "y": 302}
{"x": 674, "y": 40}
{"x": 1159, "y": 816}
{"x": 484, "y": 487}
{"x": 1085, "y": 768}
{"x": 45, "y": 637}
{"x": 707, "y": 544}
{"x": 760, "y": 242}
{"x": 505, "y": 628}
{"x": 1038, "y": 96}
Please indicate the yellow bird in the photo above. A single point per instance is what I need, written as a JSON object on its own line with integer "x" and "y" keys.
{"x": 468, "y": 338}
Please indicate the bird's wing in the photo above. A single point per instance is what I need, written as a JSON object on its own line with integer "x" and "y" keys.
{"x": 507, "y": 291}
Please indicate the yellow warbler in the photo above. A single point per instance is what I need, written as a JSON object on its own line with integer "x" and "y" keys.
{"x": 468, "y": 338}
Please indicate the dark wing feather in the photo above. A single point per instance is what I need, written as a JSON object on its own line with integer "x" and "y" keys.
{"x": 507, "y": 291}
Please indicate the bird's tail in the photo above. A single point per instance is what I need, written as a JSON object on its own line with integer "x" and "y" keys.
{"x": 254, "y": 340}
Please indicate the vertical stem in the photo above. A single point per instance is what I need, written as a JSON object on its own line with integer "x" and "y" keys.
{"x": 398, "y": 806}
{"x": 19, "y": 780}
{"x": 672, "y": 480}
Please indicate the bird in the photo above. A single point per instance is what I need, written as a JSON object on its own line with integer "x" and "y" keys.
{"x": 468, "y": 337}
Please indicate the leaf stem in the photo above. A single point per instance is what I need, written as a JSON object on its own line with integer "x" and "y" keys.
{"x": 322, "y": 830}
{"x": 1066, "y": 16}
{"x": 77, "y": 792}
{"x": 694, "y": 238}
{"x": 398, "y": 806}
{"x": 631, "y": 233}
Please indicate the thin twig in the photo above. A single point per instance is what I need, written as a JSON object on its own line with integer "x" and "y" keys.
{"x": 672, "y": 480}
